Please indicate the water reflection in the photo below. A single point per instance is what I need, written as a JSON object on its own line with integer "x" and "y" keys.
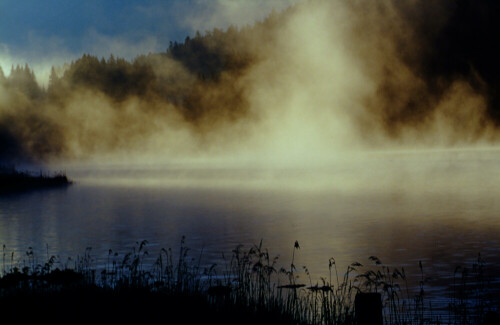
{"x": 441, "y": 209}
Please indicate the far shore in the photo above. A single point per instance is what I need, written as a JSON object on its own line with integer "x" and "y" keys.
{"x": 14, "y": 181}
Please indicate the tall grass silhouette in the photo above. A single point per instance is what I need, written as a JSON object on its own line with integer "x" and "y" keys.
{"x": 250, "y": 287}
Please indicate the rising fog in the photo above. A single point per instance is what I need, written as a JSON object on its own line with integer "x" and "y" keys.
{"x": 313, "y": 82}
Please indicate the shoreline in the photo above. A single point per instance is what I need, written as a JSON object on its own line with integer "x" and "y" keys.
{"x": 14, "y": 181}
{"x": 249, "y": 290}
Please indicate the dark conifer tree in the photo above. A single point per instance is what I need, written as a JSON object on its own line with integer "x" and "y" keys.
{"x": 2, "y": 77}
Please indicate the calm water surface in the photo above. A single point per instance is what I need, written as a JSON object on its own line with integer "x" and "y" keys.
{"x": 439, "y": 208}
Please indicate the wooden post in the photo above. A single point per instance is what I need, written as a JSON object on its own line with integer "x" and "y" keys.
{"x": 368, "y": 307}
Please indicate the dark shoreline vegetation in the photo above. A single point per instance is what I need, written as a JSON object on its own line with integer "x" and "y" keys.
{"x": 249, "y": 289}
{"x": 14, "y": 181}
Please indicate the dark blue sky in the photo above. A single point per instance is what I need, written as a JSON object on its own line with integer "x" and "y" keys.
{"x": 53, "y": 31}
{"x": 71, "y": 22}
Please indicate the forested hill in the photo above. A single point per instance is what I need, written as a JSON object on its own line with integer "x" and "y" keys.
{"x": 392, "y": 68}
{"x": 196, "y": 79}
{"x": 180, "y": 76}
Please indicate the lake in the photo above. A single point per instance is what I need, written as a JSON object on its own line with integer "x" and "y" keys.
{"x": 438, "y": 207}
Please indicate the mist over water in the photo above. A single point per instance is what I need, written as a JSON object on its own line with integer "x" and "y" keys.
{"x": 438, "y": 207}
